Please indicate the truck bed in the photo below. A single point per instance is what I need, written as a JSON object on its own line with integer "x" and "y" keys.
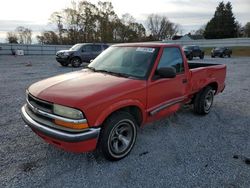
{"x": 203, "y": 74}
{"x": 198, "y": 65}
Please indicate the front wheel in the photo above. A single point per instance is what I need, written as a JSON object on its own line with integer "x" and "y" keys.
{"x": 118, "y": 136}
{"x": 203, "y": 101}
{"x": 75, "y": 62}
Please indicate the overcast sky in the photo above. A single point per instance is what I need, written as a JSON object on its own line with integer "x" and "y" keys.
{"x": 190, "y": 14}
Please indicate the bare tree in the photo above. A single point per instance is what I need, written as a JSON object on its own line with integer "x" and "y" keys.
{"x": 247, "y": 29}
{"x": 12, "y": 37}
{"x": 160, "y": 27}
{"x": 24, "y": 35}
{"x": 57, "y": 18}
{"x": 200, "y": 31}
{"x": 48, "y": 37}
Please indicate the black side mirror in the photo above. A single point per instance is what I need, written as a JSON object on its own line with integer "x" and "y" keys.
{"x": 166, "y": 72}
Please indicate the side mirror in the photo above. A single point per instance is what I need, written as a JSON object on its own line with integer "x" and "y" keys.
{"x": 91, "y": 60}
{"x": 166, "y": 72}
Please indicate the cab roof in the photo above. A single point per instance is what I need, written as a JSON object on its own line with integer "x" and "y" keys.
{"x": 146, "y": 44}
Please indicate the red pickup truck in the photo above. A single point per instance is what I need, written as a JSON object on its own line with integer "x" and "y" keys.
{"x": 128, "y": 85}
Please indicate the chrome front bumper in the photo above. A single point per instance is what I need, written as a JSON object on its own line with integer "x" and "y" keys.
{"x": 90, "y": 133}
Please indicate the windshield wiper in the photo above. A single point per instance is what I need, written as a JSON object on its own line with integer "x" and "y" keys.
{"x": 114, "y": 73}
{"x": 91, "y": 68}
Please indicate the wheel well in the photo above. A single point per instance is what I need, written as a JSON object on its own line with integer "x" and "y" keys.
{"x": 134, "y": 111}
{"x": 214, "y": 85}
{"x": 75, "y": 57}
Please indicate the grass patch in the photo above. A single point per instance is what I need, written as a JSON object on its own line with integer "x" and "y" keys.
{"x": 237, "y": 51}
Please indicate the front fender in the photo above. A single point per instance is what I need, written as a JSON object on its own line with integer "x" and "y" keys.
{"x": 119, "y": 105}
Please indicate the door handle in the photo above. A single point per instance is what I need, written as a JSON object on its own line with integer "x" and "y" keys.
{"x": 184, "y": 81}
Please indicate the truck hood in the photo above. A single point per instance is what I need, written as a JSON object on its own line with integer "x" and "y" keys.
{"x": 83, "y": 87}
{"x": 62, "y": 51}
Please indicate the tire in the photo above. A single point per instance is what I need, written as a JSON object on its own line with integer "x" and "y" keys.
{"x": 222, "y": 55}
{"x": 203, "y": 101}
{"x": 64, "y": 64}
{"x": 202, "y": 56}
{"x": 212, "y": 56}
{"x": 118, "y": 136}
{"x": 75, "y": 62}
{"x": 190, "y": 57}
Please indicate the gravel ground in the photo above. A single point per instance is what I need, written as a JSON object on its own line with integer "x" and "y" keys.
{"x": 183, "y": 150}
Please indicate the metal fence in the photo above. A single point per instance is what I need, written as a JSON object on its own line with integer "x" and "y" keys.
{"x": 8, "y": 49}
{"x": 213, "y": 42}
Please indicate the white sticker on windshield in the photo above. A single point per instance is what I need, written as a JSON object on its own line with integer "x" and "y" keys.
{"x": 149, "y": 50}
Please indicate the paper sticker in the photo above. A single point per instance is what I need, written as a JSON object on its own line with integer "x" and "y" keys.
{"x": 149, "y": 50}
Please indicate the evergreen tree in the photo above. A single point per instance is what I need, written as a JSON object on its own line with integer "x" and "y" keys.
{"x": 223, "y": 24}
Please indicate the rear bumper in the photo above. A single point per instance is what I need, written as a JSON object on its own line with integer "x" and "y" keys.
{"x": 75, "y": 142}
{"x": 216, "y": 54}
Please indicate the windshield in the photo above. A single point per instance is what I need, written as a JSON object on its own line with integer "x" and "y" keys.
{"x": 125, "y": 61}
{"x": 76, "y": 47}
{"x": 218, "y": 48}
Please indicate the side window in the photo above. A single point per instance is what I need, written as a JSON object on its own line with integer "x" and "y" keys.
{"x": 87, "y": 48}
{"x": 105, "y": 47}
{"x": 96, "y": 48}
{"x": 171, "y": 57}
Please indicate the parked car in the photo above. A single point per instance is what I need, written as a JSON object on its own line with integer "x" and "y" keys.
{"x": 221, "y": 52}
{"x": 125, "y": 87}
{"x": 193, "y": 51}
{"x": 79, "y": 53}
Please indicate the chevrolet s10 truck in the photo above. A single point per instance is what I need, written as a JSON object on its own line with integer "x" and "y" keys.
{"x": 102, "y": 106}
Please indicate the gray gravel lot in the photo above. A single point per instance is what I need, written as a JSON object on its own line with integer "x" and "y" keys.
{"x": 184, "y": 150}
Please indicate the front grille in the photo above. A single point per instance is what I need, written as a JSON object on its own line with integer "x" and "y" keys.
{"x": 46, "y": 107}
{"x": 40, "y": 104}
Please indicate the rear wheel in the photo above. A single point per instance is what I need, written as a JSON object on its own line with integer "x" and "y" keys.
{"x": 203, "y": 101}
{"x": 202, "y": 56}
{"x": 118, "y": 136}
{"x": 75, "y": 62}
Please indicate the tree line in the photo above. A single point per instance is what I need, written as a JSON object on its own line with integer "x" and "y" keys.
{"x": 88, "y": 22}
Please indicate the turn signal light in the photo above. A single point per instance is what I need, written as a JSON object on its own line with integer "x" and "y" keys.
{"x": 72, "y": 125}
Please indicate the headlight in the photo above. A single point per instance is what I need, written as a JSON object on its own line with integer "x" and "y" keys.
{"x": 67, "y": 112}
{"x": 66, "y": 53}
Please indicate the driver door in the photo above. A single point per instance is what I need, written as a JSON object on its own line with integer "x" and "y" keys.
{"x": 166, "y": 94}
{"x": 86, "y": 53}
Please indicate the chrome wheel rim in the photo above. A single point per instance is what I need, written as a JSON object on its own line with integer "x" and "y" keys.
{"x": 122, "y": 138}
{"x": 208, "y": 100}
{"x": 76, "y": 62}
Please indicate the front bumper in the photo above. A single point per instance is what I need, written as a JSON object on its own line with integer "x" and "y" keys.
{"x": 75, "y": 141}
{"x": 63, "y": 59}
